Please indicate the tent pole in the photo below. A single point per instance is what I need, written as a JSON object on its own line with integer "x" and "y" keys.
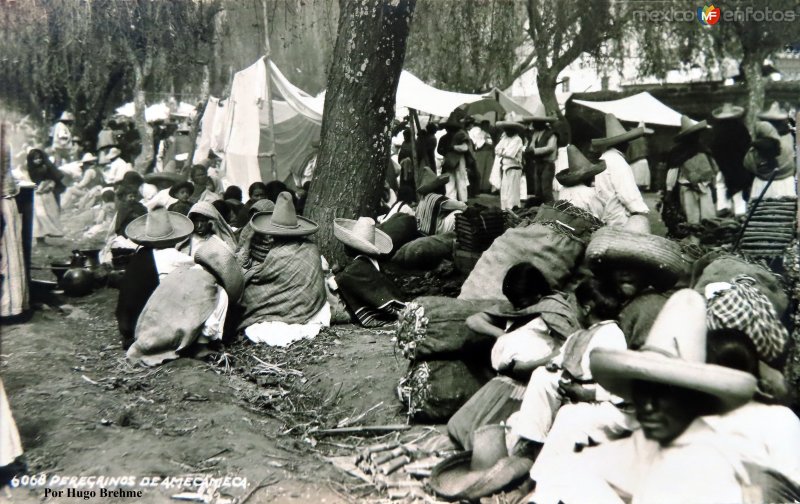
{"x": 267, "y": 60}
{"x": 414, "y": 161}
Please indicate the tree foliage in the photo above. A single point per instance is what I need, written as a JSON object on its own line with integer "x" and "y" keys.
{"x": 467, "y": 46}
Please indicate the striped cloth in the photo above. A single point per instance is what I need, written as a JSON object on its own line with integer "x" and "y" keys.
{"x": 428, "y": 212}
{"x": 369, "y": 295}
{"x": 289, "y": 286}
{"x": 13, "y": 285}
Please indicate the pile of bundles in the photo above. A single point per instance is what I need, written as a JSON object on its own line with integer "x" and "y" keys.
{"x": 554, "y": 242}
{"x": 448, "y": 361}
{"x": 714, "y": 232}
{"x": 477, "y": 227}
{"x": 770, "y": 229}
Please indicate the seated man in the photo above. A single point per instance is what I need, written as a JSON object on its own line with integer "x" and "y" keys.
{"x": 372, "y": 299}
{"x": 567, "y": 377}
{"x": 677, "y": 455}
{"x": 289, "y": 285}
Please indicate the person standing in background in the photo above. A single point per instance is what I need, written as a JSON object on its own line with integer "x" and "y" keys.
{"x": 637, "y": 157}
{"x": 543, "y": 147}
{"x": 62, "y": 138}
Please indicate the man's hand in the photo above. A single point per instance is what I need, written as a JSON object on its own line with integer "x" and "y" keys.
{"x": 576, "y": 392}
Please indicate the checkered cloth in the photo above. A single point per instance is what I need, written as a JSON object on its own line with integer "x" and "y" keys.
{"x": 746, "y": 308}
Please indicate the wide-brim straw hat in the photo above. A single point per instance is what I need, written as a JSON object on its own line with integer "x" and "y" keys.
{"x": 112, "y": 154}
{"x": 662, "y": 257}
{"x": 283, "y": 220}
{"x": 88, "y": 158}
{"x": 481, "y": 472}
{"x": 774, "y": 113}
{"x": 617, "y": 134}
{"x": 362, "y": 235}
{"x": 66, "y": 116}
{"x": 674, "y": 354}
{"x": 580, "y": 169}
{"x": 540, "y": 115}
{"x": 429, "y": 182}
{"x": 159, "y": 228}
{"x": 689, "y": 126}
{"x": 169, "y": 177}
{"x": 727, "y": 111}
{"x": 181, "y": 185}
{"x": 215, "y": 256}
{"x": 513, "y": 121}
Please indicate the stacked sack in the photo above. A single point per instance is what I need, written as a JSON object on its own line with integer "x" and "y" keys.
{"x": 448, "y": 362}
{"x": 771, "y": 228}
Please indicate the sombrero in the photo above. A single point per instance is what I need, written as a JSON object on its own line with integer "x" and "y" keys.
{"x": 215, "y": 256}
{"x": 512, "y": 120}
{"x": 429, "y": 182}
{"x": 159, "y": 228}
{"x": 674, "y": 354}
{"x": 181, "y": 185}
{"x": 540, "y": 115}
{"x": 169, "y": 177}
{"x": 727, "y": 111}
{"x": 88, "y": 158}
{"x": 580, "y": 169}
{"x": 688, "y": 127}
{"x": 616, "y": 133}
{"x": 774, "y": 113}
{"x": 112, "y": 154}
{"x": 283, "y": 220}
{"x": 662, "y": 257}
{"x": 362, "y": 235}
{"x": 66, "y": 116}
{"x": 481, "y": 472}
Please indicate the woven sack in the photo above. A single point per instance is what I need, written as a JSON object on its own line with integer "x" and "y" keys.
{"x": 426, "y": 252}
{"x": 554, "y": 253}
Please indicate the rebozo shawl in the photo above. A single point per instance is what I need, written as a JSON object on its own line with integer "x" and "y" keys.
{"x": 220, "y": 227}
{"x": 288, "y": 286}
{"x": 369, "y": 295}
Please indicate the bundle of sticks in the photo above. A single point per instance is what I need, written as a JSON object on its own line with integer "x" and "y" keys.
{"x": 397, "y": 468}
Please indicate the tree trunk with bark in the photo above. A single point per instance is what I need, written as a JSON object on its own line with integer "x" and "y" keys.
{"x": 140, "y": 73}
{"x": 546, "y": 84}
{"x": 756, "y": 85}
{"x": 359, "y": 108}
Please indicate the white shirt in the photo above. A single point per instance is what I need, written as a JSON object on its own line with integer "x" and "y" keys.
{"x": 479, "y": 137}
{"x": 583, "y": 197}
{"x": 616, "y": 187}
{"x": 115, "y": 170}
{"x": 62, "y": 136}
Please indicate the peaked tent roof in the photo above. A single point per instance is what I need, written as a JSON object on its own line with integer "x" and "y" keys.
{"x": 639, "y": 107}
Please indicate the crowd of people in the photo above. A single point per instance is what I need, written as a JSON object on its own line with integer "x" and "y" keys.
{"x": 647, "y": 371}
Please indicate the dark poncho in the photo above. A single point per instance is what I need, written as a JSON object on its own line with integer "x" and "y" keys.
{"x": 729, "y": 145}
{"x": 369, "y": 294}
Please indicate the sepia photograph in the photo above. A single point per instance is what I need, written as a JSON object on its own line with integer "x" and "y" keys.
{"x": 399, "y": 251}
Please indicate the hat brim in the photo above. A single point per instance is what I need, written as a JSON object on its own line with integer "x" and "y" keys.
{"x": 453, "y": 479}
{"x": 180, "y": 185}
{"x": 342, "y": 230}
{"x": 734, "y": 113}
{"x": 605, "y": 142}
{"x": 510, "y": 124}
{"x": 570, "y": 177}
{"x": 434, "y": 184}
{"x": 182, "y": 227}
{"x": 153, "y": 178}
{"x": 616, "y": 370}
{"x": 694, "y": 128}
{"x": 262, "y": 223}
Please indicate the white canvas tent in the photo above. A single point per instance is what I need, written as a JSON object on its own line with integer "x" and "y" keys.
{"x": 642, "y": 107}
{"x": 157, "y": 111}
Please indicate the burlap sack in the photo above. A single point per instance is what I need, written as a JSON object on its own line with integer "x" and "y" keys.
{"x": 554, "y": 253}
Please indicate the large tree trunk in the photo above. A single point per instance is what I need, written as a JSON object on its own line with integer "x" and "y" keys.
{"x": 755, "y": 88}
{"x": 140, "y": 72}
{"x": 359, "y": 107}
{"x": 546, "y": 84}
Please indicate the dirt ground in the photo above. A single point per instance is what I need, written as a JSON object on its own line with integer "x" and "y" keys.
{"x": 83, "y": 410}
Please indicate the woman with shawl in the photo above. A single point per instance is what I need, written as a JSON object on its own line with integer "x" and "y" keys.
{"x": 208, "y": 225}
{"x": 507, "y": 168}
{"x": 45, "y": 175}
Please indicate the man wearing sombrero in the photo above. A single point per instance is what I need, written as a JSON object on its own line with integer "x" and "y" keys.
{"x": 507, "y": 169}
{"x": 729, "y": 143}
{"x": 693, "y": 169}
{"x": 542, "y": 148}
{"x": 577, "y": 182}
{"x": 676, "y": 456}
{"x": 771, "y": 157}
{"x": 616, "y": 186}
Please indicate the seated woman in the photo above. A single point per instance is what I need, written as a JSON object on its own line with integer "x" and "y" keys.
{"x": 529, "y": 333}
{"x": 370, "y": 296}
{"x": 155, "y": 234}
{"x": 201, "y": 293}
{"x": 91, "y": 181}
{"x": 284, "y": 296}
{"x": 208, "y": 225}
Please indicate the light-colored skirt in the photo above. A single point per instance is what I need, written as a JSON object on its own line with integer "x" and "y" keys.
{"x": 778, "y": 189}
{"x": 10, "y": 445}
{"x": 641, "y": 173}
{"x": 46, "y": 216}
{"x": 14, "y": 293}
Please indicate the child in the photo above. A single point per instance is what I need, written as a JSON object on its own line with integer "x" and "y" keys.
{"x": 104, "y": 216}
{"x": 567, "y": 377}
{"x": 181, "y": 191}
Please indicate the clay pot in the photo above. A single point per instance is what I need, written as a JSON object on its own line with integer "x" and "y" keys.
{"x": 59, "y": 268}
{"x": 91, "y": 258}
{"x": 77, "y": 282}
